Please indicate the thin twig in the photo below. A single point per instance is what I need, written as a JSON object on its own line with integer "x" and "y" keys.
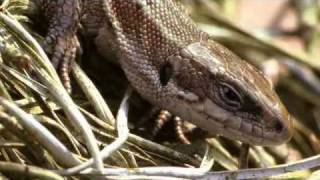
{"x": 16, "y": 27}
{"x": 304, "y": 164}
{"x": 172, "y": 171}
{"x": 29, "y": 171}
{"x": 41, "y": 133}
{"x": 93, "y": 95}
{"x": 49, "y": 77}
{"x": 147, "y": 145}
{"x": 123, "y": 133}
{"x": 64, "y": 100}
{"x": 244, "y": 156}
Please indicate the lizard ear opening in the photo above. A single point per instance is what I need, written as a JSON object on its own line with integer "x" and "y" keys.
{"x": 165, "y": 73}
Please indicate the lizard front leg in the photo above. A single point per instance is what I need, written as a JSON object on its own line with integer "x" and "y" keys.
{"x": 63, "y": 17}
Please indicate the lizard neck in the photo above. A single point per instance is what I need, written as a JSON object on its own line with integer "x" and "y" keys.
{"x": 147, "y": 33}
{"x": 150, "y": 30}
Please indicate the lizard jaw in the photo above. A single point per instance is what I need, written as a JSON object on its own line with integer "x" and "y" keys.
{"x": 217, "y": 121}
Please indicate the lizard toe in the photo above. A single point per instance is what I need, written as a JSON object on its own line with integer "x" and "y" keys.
{"x": 63, "y": 57}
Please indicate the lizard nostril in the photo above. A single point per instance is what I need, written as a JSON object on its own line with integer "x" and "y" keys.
{"x": 278, "y": 126}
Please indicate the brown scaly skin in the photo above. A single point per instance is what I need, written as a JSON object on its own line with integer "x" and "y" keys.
{"x": 174, "y": 65}
{"x": 63, "y": 18}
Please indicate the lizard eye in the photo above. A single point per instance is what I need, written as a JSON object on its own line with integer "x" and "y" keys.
{"x": 229, "y": 96}
{"x": 165, "y": 73}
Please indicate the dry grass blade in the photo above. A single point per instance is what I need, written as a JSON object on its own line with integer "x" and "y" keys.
{"x": 28, "y": 171}
{"x": 304, "y": 164}
{"x": 93, "y": 95}
{"x": 173, "y": 171}
{"x": 123, "y": 132}
{"x": 57, "y": 90}
{"x": 41, "y": 134}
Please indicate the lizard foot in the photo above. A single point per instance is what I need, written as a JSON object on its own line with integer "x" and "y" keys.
{"x": 63, "y": 19}
{"x": 165, "y": 116}
{"x": 179, "y": 130}
{"x": 63, "y": 57}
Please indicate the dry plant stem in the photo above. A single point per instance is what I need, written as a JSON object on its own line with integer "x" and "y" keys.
{"x": 205, "y": 166}
{"x": 18, "y": 29}
{"x": 64, "y": 100}
{"x": 28, "y": 171}
{"x": 244, "y": 156}
{"x": 119, "y": 159}
{"x": 12, "y": 145}
{"x": 37, "y": 87}
{"x": 56, "y": 89}
{"x": 304, "y": 164}
{"x": 65, "y": 131}
{"x": 258, "y": 156}
{"x": 17, "y": 86}
{"x": 297, "y": 88}
{"x": 132, "y": 160}
{"x": 304, "y": 145}
{"x": 261, "y": 157}
{"x": 93, "y": 95}
{"x": 13, "y": 127}
{"x": 302, "y": 128}
{"x": 140, "y": 177}
{"x": 162, "y": 151}
{"x": 50, "y": 78}
{"x": 123, "y": 133}
{"x": 3, "y": 91}
{"x": 5, "y": 3}
{"x": 305, "y": 74}
{"x": 138, "y": 152}
{"x": 41, "y": 134}
{"x": 13, "y": 154}
{"x": 222, "y": 155}
{"x": 147, "y": 145}
{"x": 135, "y": 141}
{"x": 145, "y": 155}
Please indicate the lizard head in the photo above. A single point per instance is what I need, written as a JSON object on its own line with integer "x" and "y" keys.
{"x": 222, "y": 94}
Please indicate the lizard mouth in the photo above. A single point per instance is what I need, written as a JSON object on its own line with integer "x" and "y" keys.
{"x": 217, "y": 121}
{"x": 250, "y": 133}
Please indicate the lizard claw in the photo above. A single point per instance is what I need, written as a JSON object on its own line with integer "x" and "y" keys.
{"x": 63, "y": 18}
{"x": 63, "y": 57}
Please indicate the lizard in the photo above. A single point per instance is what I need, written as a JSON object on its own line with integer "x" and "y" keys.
{"x": 173, "y": 64}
